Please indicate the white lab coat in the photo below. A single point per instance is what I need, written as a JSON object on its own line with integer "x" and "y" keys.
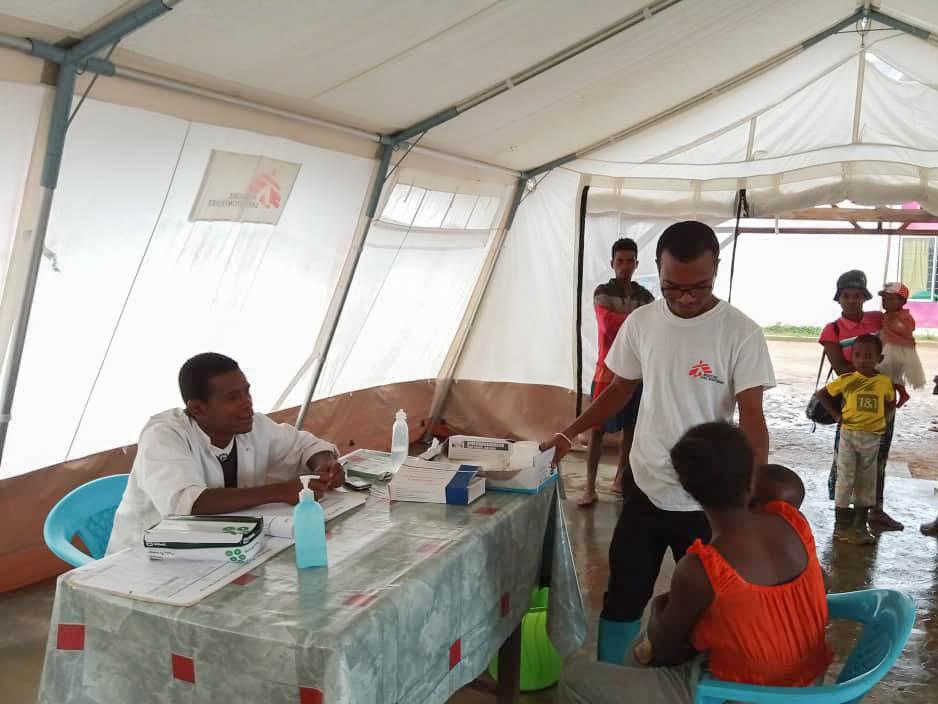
{"x": 175, "y": 464}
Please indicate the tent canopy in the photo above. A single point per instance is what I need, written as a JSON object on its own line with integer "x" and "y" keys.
{"x": 385, "y": 66}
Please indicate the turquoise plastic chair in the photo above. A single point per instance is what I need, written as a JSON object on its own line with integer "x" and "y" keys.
{"x": 87, "y": 511}
{"x": 887, "y": 617}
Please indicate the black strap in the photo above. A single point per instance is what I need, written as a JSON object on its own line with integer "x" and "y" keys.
{"x": 229, "y": 466}
{"x": 830, "y": 372}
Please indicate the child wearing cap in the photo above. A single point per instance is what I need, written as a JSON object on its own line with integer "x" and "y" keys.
{"x": 901, "y": 362}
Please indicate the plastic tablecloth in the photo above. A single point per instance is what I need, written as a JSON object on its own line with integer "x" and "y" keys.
{"x": 416, "y": 601}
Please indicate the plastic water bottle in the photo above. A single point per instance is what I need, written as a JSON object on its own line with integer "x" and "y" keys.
{"x": 309, "y": 529}
{"x": 400, "y": 440}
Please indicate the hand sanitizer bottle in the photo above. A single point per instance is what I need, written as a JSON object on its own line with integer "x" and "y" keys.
{"x": 400, "y": 441}
{"x": 309, "y": 529}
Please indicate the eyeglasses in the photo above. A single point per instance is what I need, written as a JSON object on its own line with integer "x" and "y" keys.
{"x": 673, "y": 293}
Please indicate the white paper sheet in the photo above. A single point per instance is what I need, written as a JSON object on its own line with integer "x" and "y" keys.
{"x": 278, "y": 518}
{"x": 175, "y": 582}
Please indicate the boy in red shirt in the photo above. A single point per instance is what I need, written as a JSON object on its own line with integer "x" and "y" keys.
{"x": 613, "y": 302}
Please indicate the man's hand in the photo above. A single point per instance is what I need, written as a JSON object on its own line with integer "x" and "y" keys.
{"x": 325, "y": 464}
{"x": 559, "y": 444}
{"x": 290, "y": 490}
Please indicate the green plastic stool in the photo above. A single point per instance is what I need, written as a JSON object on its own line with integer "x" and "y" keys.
{"x": 540, "y": 663}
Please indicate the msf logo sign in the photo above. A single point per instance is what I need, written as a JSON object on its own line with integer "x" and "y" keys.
{"x": 265, "y": 189}
{"x": 704, "y": 371}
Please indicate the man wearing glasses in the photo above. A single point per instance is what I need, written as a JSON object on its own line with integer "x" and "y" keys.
{"x": 699, "y": 359}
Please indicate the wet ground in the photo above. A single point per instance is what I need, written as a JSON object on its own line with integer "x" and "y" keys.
{"x": 906, "y": 560}
{"x": 796, "y": 363}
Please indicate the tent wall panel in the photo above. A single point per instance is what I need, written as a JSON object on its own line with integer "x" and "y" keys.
{"x": 523, "y": 332}
{"x": 508, "y": 410}
{"x": 257, "y": 292}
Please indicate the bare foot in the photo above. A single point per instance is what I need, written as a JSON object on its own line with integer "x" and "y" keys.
{"x": 883, "y": 521}
{"x": 616, "y": 488}
{"x": 930, "y": 528}
{"x": 588, "y": 499}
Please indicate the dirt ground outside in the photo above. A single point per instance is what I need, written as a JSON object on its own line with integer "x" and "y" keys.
{"x": 796, "y": 363}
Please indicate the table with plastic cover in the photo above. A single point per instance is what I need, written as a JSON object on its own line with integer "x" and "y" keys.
{"x": 416, "y": 601}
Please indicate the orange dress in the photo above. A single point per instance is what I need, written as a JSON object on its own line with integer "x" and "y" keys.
{"x": 765, "y": 635}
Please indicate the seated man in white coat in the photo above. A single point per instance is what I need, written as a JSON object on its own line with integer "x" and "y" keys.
{"x": 216, "y": 455}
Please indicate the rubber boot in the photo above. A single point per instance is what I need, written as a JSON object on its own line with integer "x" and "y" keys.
{"x": 615, "y": 639}
{"x": 861, "y": 535}
{"x": 843, "y": 522}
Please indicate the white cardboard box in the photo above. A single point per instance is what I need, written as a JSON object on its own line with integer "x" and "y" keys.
{"x": 530, "y": 479}
{"x": 491, "y": 451}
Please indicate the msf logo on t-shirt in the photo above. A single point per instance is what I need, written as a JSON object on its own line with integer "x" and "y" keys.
{"x": 704, "y": 371}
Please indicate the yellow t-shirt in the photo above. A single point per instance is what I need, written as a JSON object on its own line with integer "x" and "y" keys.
{"x": 865, "y": 400}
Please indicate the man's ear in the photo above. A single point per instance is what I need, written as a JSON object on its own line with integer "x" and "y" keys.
{"x": 195, "y": 408}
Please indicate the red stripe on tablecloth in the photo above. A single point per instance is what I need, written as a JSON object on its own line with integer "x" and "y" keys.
{"x": 183, "y": 668}
{"x": 310, "y": 695}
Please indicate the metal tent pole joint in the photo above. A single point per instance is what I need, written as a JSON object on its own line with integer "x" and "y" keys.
{"x": 117, "y": 29}
{"x": 58, "y": 55}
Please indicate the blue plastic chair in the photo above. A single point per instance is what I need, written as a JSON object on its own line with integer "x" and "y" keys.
{"x": 89, "y": 512}
{"x": 887, "y": 616}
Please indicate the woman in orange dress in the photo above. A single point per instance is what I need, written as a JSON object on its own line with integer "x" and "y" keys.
{"x": 750, "y": 606}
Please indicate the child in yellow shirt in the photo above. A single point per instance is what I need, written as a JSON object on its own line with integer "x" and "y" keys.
{"x": 867, "y": 398}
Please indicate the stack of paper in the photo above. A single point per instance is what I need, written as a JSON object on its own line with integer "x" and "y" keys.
{"x": 436, "y": 482}
{"x": 368, "y": 464}
{"x": 224, "y": 538}
{"x": 207, "y": 530}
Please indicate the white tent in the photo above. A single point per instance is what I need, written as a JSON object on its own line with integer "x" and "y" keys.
{"x": 403, "y": 136}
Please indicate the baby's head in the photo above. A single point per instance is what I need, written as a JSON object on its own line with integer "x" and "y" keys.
{"x": 773, "y": 482}
{"x": 714, "y": 464}
{"x": 894, "y": 296}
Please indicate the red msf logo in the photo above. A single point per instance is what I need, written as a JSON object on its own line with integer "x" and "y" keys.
{"x": 701, "y": 369}
{"x": 266, "y": 189}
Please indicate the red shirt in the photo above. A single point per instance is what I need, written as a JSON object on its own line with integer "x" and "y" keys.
{"x": 848, "y": 331}
{"x": 612, "y": 305}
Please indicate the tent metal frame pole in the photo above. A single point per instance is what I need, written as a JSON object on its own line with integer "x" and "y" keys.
{"x": 72, "y": 60}
{"x": 444, "y": 380}
{"x": 347, "y": 277}
{"x": 570, "y": 52}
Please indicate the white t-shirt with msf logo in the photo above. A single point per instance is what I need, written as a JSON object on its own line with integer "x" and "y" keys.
{"x": 692, "y": 369}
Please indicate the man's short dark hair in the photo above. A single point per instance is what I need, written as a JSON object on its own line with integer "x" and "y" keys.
{"x": 870, "y": 340}
{"x": 714, "y": 464}
{"x": 626, "y": 244}
{"x": 196, "y": 374}
{"x": 687, "y": 240}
